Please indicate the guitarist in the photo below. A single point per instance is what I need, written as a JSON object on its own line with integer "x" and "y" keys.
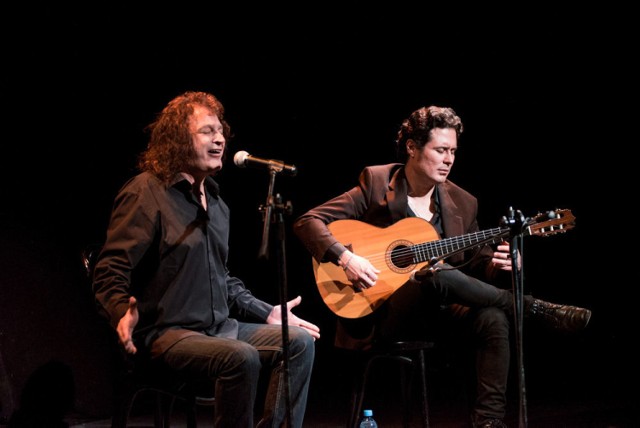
{"x": 473, "y": 301}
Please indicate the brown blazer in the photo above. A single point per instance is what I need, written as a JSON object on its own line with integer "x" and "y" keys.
{"x": 380, "y": 199}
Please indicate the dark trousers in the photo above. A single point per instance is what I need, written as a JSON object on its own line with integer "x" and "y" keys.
{"x": 236, "y": 366}
{"x": 453, "y": 307}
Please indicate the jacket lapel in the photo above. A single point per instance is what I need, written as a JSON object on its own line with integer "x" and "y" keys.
{"x": 397, "y": 196}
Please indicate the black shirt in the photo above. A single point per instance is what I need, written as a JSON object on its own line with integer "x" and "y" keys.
{"x": 165, "y": 249}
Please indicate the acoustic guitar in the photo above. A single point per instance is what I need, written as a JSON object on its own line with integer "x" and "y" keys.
{"x": 403, "y": 248}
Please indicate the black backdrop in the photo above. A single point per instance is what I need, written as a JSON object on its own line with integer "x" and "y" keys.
{"x": 539, "y": 91}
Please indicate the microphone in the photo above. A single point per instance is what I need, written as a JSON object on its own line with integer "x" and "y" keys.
{"x": 244, "y": 159}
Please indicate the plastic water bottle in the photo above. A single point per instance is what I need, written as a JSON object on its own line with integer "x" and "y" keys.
{"x": 367, "y": 420}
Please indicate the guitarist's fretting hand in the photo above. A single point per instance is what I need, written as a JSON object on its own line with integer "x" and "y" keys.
{"x": 359, "y": 270}
{"x": 502, "y": 257}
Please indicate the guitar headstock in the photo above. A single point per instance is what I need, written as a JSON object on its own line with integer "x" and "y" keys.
{"x": 551, "y": 222}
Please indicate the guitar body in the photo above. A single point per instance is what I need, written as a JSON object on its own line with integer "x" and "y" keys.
{"x": 403, "y": 248}
{"x": 378, "y": 245}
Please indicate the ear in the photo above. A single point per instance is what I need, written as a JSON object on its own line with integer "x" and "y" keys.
{"x": 411, "y": 147}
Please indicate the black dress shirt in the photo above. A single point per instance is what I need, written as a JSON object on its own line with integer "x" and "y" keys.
{"x": 163, "y": 247}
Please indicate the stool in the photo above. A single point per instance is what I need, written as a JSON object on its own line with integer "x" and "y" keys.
{"x": 410, "y": 355}
{"x": 166, "y": 389}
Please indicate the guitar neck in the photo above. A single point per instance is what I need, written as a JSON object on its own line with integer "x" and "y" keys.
{"x": 443, "y": 248}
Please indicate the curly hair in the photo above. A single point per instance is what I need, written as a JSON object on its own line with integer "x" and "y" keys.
{"x": 418, "y": 126}
{"x": 170, "y": 147}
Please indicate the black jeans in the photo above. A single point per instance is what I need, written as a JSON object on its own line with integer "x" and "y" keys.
{"x": 458, "y": 308}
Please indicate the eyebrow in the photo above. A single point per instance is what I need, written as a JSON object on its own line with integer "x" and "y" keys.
{"x": 215, "y": 128}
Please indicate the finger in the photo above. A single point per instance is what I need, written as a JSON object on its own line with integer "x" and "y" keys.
{"x": 129, "y": 346}
{"x": 299, "y": 322}
{"x": 500, "y": 261}
{"x": 294, "y": 302}
{"x": 359, "y": 284}
{"x": 309, "y": 326}
{"x": 311, "y": 329}
{"x": 363, "y": 284}
{"x": 371, "y": 279}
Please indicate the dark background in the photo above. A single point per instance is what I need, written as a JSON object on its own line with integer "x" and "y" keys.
{"x": 541, "y": 91}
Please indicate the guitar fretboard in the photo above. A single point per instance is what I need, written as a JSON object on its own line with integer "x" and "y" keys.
{"x": 443, "y": 248}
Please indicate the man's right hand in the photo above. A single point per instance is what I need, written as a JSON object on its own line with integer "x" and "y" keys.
{"x": 359, "y": 270}
{"x": 126, "y": 325}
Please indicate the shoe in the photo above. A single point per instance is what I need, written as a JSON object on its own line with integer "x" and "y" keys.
{"x": 490, "y": 423}
{"x": 563, "y": 318}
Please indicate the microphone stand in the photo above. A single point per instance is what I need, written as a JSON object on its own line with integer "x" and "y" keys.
{"x": 515, "y": 221}
{"x": 275, "y": 208}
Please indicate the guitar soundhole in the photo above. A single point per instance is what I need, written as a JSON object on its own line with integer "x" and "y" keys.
{"x": 401, "y": 258}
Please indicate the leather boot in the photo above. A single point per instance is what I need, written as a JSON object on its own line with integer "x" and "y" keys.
{"x": 480, "y": 422}
{"x": 490, "y": 423}
{"x": 562, "y": 318}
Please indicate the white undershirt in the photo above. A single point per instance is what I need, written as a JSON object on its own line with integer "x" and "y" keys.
{"x": 421, "y": 205}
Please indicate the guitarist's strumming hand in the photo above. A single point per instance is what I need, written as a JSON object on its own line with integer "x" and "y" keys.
{"x": 502, "y": 257}
{"x": 359, "y": 270}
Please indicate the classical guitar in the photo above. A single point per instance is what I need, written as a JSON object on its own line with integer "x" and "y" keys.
{"x": 403, "y": 248}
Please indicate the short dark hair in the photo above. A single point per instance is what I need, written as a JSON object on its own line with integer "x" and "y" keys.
{"x": 418, "y": 126}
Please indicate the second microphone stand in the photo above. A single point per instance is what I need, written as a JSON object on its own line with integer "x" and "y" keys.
{"x": 516, "y": 222}
{"x": 273, "y": 211}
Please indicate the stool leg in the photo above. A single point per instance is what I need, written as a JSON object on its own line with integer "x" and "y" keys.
{"x": 355, "y": 401}
{"x": 161, "y": 417}
{"x": 406, "y": 364}
{"x": 357, "y": 396}
{"x": 125, "y": 400}
{"x": 192, "y": 417}
{"x": 423, "y": 388}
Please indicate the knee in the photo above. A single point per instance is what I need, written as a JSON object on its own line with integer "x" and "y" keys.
{"x": 245, "y": 359}
{"x": 301, "y": 342}
{"x": 492, "y": 322}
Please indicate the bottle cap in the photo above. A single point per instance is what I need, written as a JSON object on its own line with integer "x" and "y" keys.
{"x": 368, "y": 412}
